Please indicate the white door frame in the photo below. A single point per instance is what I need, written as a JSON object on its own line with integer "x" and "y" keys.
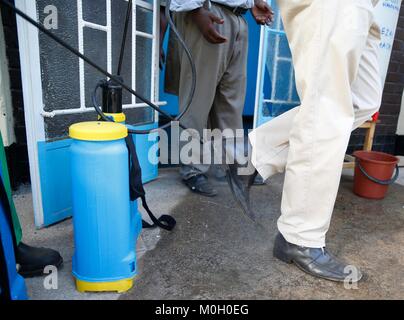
{"x": 259, "y": 90}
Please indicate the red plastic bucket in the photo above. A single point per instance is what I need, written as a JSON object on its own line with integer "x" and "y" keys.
{"x": 374, "y": 173}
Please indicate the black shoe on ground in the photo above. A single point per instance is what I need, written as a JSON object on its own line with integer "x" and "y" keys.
{"x": 240, "y": 186}
{"x": 32, "y": 261}
{"x": 317, "y": 262}
{"x": 201, "y": 185}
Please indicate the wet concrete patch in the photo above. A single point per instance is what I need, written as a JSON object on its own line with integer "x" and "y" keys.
{"x": 215, "y": 252}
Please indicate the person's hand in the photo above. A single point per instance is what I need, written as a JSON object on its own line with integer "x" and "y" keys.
{"x": 262, "y": 13}
{"x": 206, "y": 20}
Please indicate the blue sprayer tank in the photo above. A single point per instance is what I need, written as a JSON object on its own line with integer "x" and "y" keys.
{"x": 106, "y": 223}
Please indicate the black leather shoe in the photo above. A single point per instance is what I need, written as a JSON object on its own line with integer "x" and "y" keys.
{"x": 32, "y": 261}
{"x": 200, "y": 184}
{"x": 240, "y": 186}
{"x": 317, "y": 262}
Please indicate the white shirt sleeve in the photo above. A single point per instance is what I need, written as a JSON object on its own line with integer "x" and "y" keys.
{"x": 186, "y": 5}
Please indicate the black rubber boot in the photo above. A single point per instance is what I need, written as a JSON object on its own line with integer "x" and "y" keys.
{"x": 32, "y": 261}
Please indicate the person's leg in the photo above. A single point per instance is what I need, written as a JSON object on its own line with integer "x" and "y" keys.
{"x": 228, "y": 105}
{"x": 209, "y": 61}
{"x": 227, "y": 111}
{"x": 197, "y": 116}
{"x": 270, "y": 144}
{"x": 271, "y": 141}
{"x": 327, "y": 65}
{"x": 367, "y": 89}
{"x": 333, "y": 55}
{"x": 366, "y": 96}
{"x": 327, "y": 68}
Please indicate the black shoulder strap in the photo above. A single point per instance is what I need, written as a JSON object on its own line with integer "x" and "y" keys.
{"x": 137, "y": 191}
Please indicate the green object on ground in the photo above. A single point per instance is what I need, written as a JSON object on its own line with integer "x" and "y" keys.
{"x": 7, "y": 184}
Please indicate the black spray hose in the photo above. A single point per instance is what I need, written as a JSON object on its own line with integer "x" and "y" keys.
{"x": 125, "y": 32}
{"x": 116, "y": 79}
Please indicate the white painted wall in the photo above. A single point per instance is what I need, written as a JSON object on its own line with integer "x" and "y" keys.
{"x": 386, "y": 14}
{"x": 6, "y": 111}
{"x": 400, "y": 128}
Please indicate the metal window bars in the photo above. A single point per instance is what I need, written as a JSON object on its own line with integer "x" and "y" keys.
{"x": 154, "y": 37}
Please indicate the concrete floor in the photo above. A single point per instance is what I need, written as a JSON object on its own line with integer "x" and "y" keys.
{"x": 216, "y": 253}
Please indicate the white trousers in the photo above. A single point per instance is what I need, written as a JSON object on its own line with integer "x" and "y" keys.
{"x": 334, "y": 46}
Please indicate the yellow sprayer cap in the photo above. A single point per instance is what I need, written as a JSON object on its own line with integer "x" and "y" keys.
{"x": 98, "y": 131}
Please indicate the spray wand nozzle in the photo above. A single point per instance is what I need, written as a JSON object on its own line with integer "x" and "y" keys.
{"x": 111, "y": 96}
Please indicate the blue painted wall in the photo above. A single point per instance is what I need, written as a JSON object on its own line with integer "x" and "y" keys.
{"x": 54, "y": 168}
